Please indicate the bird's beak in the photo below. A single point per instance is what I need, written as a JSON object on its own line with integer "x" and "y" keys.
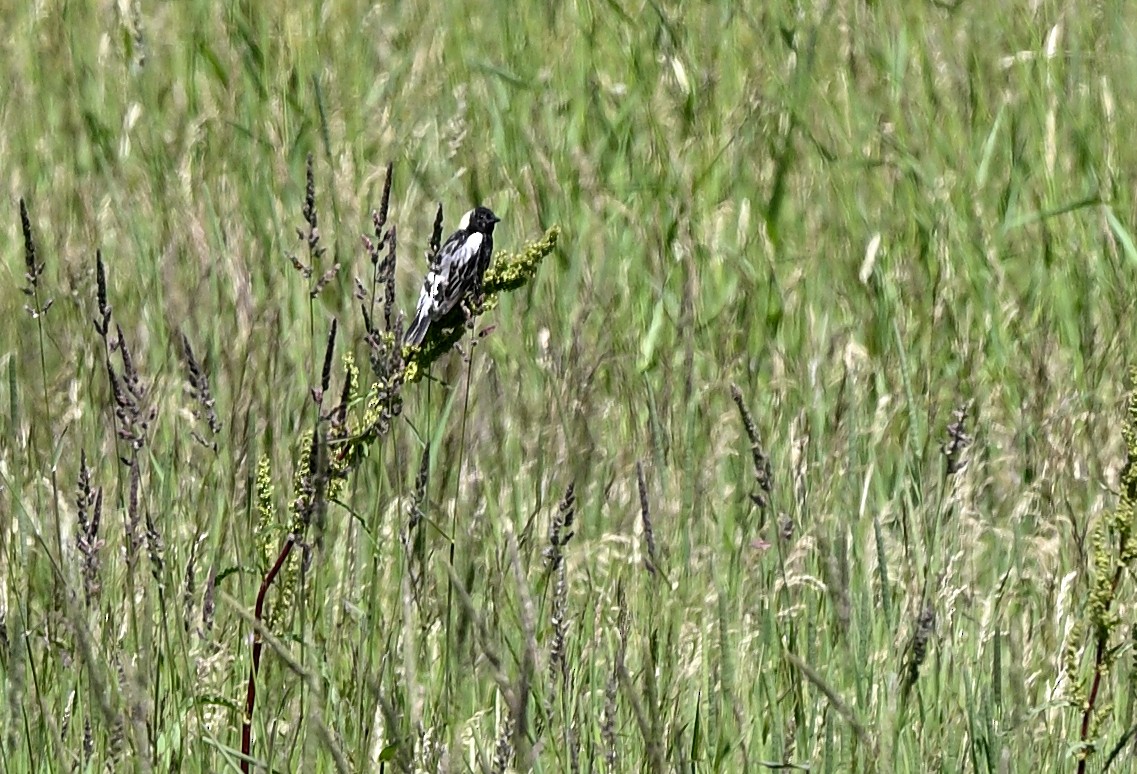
{"x": 496, "y": 219}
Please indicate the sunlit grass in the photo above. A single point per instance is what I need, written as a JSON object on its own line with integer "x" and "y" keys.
{"x": 905, "y": 232}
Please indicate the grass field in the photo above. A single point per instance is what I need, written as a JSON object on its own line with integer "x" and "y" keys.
{"x": 902, "y": 542}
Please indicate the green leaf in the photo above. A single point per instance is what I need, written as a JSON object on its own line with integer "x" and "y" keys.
{"x": 648, "y": 344}
{"x": 1122, "y": 235}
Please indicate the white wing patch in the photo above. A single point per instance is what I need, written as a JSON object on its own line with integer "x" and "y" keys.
{"x": 468, "y": 250}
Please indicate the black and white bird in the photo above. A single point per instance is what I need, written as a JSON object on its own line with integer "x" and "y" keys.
{"x": 455, "y": 272}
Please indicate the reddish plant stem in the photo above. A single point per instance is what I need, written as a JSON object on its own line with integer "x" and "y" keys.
{"x": 258, "y": 645}
{"x": 1099, "y": 657}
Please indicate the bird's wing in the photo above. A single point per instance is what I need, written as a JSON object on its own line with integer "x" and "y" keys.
{"x": 455, "y": 271}
{"x": 453, "y": 274}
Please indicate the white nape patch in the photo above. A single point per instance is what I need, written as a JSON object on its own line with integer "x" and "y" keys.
{"x": 464, "y": 223}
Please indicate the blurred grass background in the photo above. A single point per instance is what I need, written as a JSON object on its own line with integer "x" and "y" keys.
{"x": 866, "y": 215}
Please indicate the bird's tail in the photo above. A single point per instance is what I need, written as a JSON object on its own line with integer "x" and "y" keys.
{"x": 417, "y": 332}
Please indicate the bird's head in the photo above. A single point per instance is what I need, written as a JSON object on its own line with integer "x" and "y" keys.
{"x": 479, "y": 219}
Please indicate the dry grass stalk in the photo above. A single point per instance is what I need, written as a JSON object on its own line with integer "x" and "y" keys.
{"x": 921, "y": 635}
{"x": 519, "y": 707}
{"x": 89, "y": 513}
{"x": 957, "y": 443}
{"x": 311, "y": 234}
{"x": 560, "y": 532}
{"x": 33, "y": 268}
{"x": 835, "y": 700}
{"x": 503, "y": 750}
{"x": 650, "y": 557}
{"x": 198, "y": 382}
{"x": 155, "y": 548}
{"x": 763, "y": 472}
{"x": 608, "y": 719}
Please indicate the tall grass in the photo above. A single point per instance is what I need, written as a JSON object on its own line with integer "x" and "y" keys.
{"x": 809, "y": 329}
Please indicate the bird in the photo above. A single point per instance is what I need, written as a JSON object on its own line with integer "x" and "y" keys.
{"x": 455, "y": 272}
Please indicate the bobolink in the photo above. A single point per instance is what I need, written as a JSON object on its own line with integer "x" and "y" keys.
{"x": 455, "y": 272}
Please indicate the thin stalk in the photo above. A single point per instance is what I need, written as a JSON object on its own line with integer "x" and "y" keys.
{"x": 454, "y": 508}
